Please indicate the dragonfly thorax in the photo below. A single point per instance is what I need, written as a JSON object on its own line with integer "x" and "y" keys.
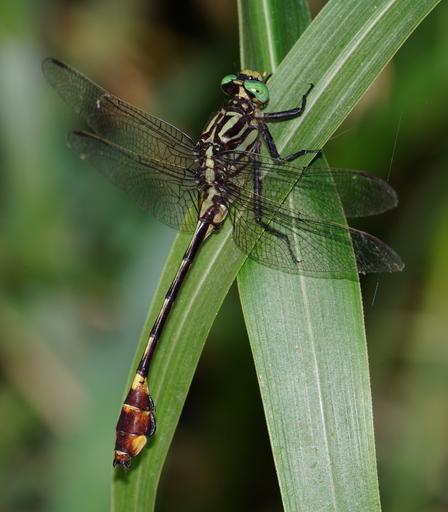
{"x": 234, "y": 128}
{"x": 231, "y": 130}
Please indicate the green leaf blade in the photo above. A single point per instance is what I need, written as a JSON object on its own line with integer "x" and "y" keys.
{"x": 315, "y": 388}
{"x": 264, "y": 35}
{"x": 307, "y": 333}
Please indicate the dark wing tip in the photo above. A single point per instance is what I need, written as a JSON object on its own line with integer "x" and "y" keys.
{"x": 393, "y": 196}
{"x": 387, "y": 187}
{"x": 73, "y": 136}
{"x": 395, "y": 263}
{"x": 399, "y": 265}
{"x": 50, "y": 62}
{"x": 76, "y": 142}
{"x": 373, "y": 255}
{"x": 387, "y": 191}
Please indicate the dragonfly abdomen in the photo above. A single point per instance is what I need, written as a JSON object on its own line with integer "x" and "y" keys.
{"x": 136, "y": 422}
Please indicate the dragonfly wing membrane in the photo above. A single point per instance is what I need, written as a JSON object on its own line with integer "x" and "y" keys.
{"x": 284, "y": 215}
{"x": 283, "y": 238}
{"x": 116, "y": 120}
{"x": 163, "y": 189}
{"x": 360, "y": 193}
{"x": 313, "y": 188}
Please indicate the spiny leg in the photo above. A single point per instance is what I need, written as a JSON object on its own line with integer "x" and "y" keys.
{"x": 281, "y": 236}
{"x": 284, "y": 116}
{"x": 273, "y": 151}
{"x": 258, "y": 212}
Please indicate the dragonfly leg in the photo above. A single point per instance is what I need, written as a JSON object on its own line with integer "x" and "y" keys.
{"x": 153, "y": 423}
{"x": 273, "y": 151}
{"x": 284, "y": 116}
{"x": 288, "y": 114}
{"x": 258, "y": 212}
{"x": 282, "y": 236}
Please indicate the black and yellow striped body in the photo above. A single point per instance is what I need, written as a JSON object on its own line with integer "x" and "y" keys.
{"x": 234, "y": 127}
{"x": 237, "y": 127}
{"x": 194, "y": 186}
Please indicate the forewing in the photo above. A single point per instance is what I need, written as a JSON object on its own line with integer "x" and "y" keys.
{"x": 360, "y": 193}
{"x": 164, "y": 189}
{"x": 313, "y": 188}
{"x": 116, "y": 120}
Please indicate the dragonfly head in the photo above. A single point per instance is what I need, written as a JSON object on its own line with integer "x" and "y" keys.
{"x": 248, "y": 85}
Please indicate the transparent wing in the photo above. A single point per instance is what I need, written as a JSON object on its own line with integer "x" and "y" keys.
{"x": 162, "y": 188}
{"x": 293, "y": 243}
{"x": 286, "y": 239}
{"x": 116, "y": 120}
{"x": 313, "y": 188}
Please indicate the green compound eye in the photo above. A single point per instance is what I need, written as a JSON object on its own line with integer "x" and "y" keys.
{"x": 227, "y": 79}
{"x": 257, "y": 89}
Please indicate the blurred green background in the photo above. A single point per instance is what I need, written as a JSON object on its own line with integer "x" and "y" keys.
{"x": 79, "y": 263}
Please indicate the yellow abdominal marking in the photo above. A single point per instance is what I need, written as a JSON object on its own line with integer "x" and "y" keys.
{"x": 221, "y": 215}
{"x": 138, "y": 381}
{"x": 138, "y": 444}
{"x": 132, "y": 408}
{"x": 209, "y": 175}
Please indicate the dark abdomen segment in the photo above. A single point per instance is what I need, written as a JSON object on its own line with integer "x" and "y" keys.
{"x": 136, "y": 423}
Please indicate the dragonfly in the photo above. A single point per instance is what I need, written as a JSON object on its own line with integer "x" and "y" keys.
{"x": 195, "y": 187}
